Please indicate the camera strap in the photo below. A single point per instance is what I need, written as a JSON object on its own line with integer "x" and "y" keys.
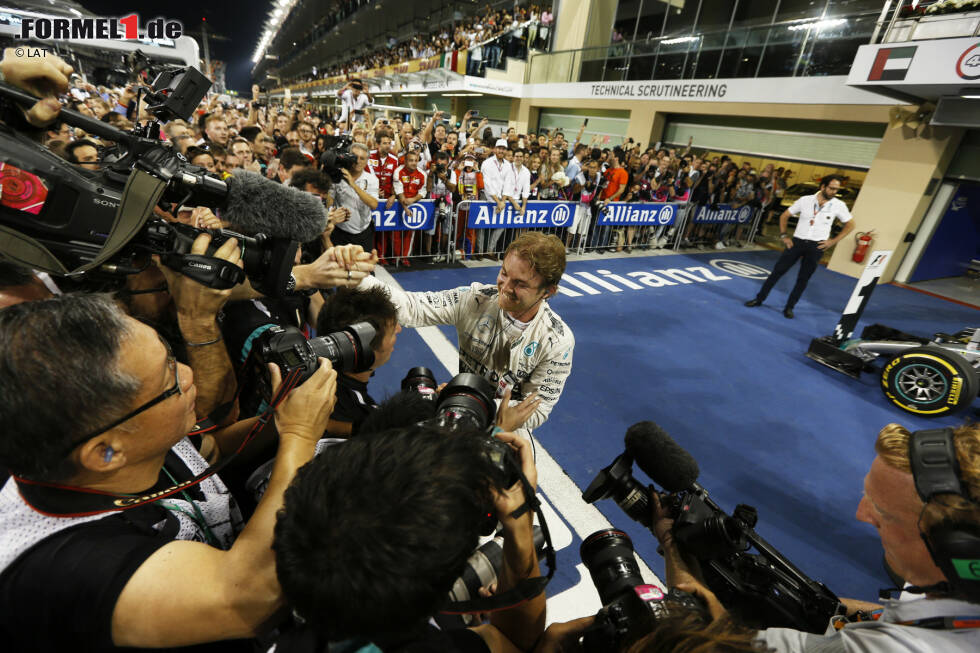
{"x": 58, "y": 500}
{"x": 525, "y": 589}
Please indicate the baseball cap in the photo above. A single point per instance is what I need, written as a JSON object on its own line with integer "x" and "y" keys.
{"x": 501, "y": 142}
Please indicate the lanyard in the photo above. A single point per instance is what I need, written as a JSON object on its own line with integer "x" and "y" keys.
{"x": 958, "y": 622}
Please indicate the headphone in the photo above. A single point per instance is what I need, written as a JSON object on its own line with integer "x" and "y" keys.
{"x": 954, "y": 546}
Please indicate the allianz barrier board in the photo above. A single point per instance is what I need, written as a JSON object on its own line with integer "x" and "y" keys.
{"x": 539, "y": 213}
{"x": 420, "y": 216}
{"x": 722, "y": 213}
{"x": 640, "y": 213}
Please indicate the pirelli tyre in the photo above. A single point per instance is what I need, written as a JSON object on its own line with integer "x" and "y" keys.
{"x": 929, "y": 381}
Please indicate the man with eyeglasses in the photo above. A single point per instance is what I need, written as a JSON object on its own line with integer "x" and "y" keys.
{"x": 816, "y": 215}
{"x": 358, "y": 195}
{"x": 112, "y": 534}
{"x": 306, "y": 138}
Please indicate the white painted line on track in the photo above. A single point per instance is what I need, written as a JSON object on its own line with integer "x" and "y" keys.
{"x": 560, "y": 492}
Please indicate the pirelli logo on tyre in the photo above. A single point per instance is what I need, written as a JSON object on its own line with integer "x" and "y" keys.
{"x": 924, "y": 383}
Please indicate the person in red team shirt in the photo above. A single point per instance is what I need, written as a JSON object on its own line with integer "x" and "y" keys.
{"x": 383, "y": 164}
{"x": 409, "y": 186}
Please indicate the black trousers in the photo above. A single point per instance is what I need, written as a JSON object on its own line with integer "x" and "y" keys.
{"x": 365, "y": 238}
{"x": 810, "y": 254}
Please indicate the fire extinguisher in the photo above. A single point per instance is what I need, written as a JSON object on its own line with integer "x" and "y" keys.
{"x": 863, "y": 240}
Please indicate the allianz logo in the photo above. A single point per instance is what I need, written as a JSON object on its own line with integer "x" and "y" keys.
{"x": 741, "y": 214}
{"x": 579, "y": 283}
{"x": 629, "y": 213}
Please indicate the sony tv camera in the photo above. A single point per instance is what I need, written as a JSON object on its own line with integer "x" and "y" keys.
{"x": 68, "y": 221}
{"x": 762, "y": 589}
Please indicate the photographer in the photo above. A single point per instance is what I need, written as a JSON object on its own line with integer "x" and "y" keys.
{"x": 354, "y": 100}
{"x": 358, "y": 196}
{"x": 345, "y": 307}
{"x": 170, "y": 570}
{"x": 440, "y": 183}
{"x": 415, "y": 498}
{"x": 922, "y": 541}
{"x": 491, "y": 321}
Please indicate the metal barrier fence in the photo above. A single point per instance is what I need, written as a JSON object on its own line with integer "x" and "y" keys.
{"x": 437, "y": 231}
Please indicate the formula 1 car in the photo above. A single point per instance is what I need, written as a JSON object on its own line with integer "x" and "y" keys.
{"x": 931, "y": 378}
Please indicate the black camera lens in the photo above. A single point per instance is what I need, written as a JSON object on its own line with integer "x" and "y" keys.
{"x": 348, "y": 349}
{"x": 468, "y": 400}
{"x": 608, "y": 555}
{"x": 422, "y": 381}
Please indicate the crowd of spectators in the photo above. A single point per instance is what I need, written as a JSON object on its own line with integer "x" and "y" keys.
{"x": 273, "y": 140}
{"x": 487, "y": 38}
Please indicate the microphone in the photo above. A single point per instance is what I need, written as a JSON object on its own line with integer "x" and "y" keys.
{"x": 663, "y": 460}
{"x": 257, "y": 205}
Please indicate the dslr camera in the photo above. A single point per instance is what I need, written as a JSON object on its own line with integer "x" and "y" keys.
{"x": 630, "y": 607}
{"x": 467, "y": 404}
{"x": 349, "y": 350}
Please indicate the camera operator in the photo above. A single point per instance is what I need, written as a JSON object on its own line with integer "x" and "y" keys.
{"x": 167, "y": 572}
{"x": 358, "y": 196}
{"x": 345, "y": 307}
{"x": 415, "y": 498}
{"x": 931, "y": 544}
{"x": 492, "y": 321}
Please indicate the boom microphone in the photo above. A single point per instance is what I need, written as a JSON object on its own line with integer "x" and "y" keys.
{"x": 663, "y": 460}
{"x": 258, "y": 205}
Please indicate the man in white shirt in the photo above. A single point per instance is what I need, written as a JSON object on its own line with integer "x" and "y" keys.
{"x": 359, "y": 196}
{"x": 522, "y": 182}
{"x": 355, "y": 99}
{"x": 499, "y": 183}
{"x": 816, "y": 214}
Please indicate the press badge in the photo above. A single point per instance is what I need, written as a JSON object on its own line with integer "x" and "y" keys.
{"x": 505, "y": 383}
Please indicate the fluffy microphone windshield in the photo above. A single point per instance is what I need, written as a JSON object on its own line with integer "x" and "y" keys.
{"x": 660, "y": 457}
{"x": 258, "y": 205}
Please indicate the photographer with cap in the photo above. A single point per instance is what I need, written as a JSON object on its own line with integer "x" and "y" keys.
{"x": 922, "y": 495}
{"x": 507, "y": 333}
{"x": 374, "y": 532}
